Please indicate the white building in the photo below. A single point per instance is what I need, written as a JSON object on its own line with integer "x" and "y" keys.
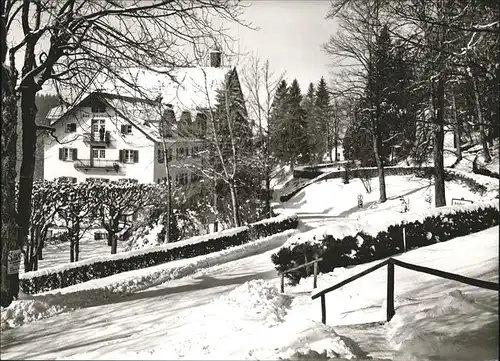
{"x": 114, "y": 134}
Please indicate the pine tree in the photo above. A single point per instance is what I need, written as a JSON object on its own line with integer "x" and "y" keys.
{"x": 277, "y": 120}
{"x": 323, "y": 114}
{"x": 296, "y": 128}
{"x": 310, "y": 119}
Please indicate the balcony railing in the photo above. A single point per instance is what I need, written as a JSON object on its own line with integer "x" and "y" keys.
{"x": 98, "y": 139}
{"x": 87, "y": 164}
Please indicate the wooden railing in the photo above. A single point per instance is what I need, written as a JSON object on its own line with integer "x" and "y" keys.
{"x": 315, "y": 280}
{"x": 390, "y": 283}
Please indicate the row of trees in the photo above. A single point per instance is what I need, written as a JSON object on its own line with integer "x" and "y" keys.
{"x": 412, "y": 69}
{"x": 76, "y": 207}
{"x": 303, "y": 128}
{"x": 68, "y": 44}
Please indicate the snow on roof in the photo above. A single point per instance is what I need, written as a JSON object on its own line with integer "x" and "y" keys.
{"x": 185, "y": 88}
{"x": 57, "y": 112}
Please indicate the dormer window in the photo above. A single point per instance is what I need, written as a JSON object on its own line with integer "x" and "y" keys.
{"x": 71, "y": 128}
{"x": 126, "y": 129}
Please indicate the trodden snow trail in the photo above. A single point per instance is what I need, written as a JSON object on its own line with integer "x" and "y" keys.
{"x": 130, "y": 322}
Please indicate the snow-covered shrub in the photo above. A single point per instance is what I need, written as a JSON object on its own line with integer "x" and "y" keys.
{"x": 342, "y": 245}
{"x": 78, "y": 272}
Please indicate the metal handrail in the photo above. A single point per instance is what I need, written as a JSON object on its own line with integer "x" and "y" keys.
{"x": 391, "y": 262}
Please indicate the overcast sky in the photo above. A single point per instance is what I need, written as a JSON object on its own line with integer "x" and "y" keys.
{"x": 290, "y": 37}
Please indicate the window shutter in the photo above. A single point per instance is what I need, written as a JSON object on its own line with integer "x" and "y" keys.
{"x": 123, "y": 129}
{"x": 121, "y": 155}
{"x": 61, "y": 153}
{"x": 160, "y": 156}
{"x": 75, "y": 154}
{"x": 136, "y": 156}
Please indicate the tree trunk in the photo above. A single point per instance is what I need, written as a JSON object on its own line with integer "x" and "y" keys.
{"x": 234, "y": 203}
{"x": 439, "y": 187}
{"x": 77, "y": 249}
{"x": 458, "y": 129}
{"x": 114, "y": 245}
{"x": 482, "y": 130}
{"x": 71, "y": 249}
{"x": 380, "y": 167}
{"x": 110, "y": 238}
{"x": 9, "y": 228}
{"x": 28, "y": 113}
{"x": 168, "y": 217}
{"x": 268, "y": 195}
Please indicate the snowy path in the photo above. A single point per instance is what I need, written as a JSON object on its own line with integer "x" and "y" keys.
{"x": 159, "y": 312}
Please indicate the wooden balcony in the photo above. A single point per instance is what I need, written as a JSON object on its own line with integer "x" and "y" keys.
{"x": 98, "y": 139}
{"x": 106, "y": 164}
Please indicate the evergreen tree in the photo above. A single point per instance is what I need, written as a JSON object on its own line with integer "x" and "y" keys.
{"x": 296, "y": 128}
{"x": 231, "y": 147}
{"x": 277, "y": 121}
{"x": 323, "y": 113}
{"x": 310, "y": 119}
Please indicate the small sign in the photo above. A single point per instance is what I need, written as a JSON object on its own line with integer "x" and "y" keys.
{"x": 14, "y": 262}
{"x": 460, "y": 202}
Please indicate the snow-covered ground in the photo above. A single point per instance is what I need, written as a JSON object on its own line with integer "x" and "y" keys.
{"x": 227, "y": 305}
{"x": 234, "y": 311}
{"x": 329, "y": 200}
{"x": 57, "y": 254}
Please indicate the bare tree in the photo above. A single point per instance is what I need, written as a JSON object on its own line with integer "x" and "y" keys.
{"x": 260, "y": 85}
{"x": 360, "y": 25}
{"x": 70, "y": 43}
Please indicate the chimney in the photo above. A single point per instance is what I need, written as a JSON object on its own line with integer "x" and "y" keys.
{"x": 215, "y": 59}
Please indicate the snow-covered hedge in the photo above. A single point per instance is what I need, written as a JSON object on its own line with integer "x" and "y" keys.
{"x": 379, "y": 236}
{"x": 99, "y": 267}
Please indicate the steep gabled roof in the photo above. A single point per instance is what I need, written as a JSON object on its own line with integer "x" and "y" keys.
{"x": 184, "y": 89}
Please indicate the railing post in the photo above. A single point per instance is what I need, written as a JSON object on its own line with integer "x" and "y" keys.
{"x": 306, "y": 266}
{"x": 404, "y": 239}
{"x": 323, "y": 309}
{"x": 390, "y": 290}
{"x": 315, "y": 280}
{"x": 282, "y": 283}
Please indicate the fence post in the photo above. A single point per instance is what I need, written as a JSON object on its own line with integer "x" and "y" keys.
{"x": 323, "y": 309}
{"x": 306, "y": 267}
{"x": 404, "y": 239}
{"x": 390, "y": 290}
{"x": 315, "y": 280}
{"x": 282, "y": 283}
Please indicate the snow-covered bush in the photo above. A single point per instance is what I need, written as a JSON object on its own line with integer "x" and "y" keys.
{"x": 344, "y": 244}
{"x": 78, "y": 272}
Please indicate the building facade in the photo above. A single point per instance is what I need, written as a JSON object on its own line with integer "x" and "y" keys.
{"x": 114, "y": 134}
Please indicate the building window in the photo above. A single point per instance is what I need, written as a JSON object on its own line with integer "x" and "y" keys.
{"x": 68, "y": 154}
{"x": 201, "y": 124}
{"x": 126, "y": 129}
{"x": 133, "y": 180}
{"x": 98, "y": 109}
{"x": 182, "y": 179}
{"x": 68, "y": 179}
{"x": 98, "y": 153}
{"x": 129, "y": 156}
{"x": 95, "y": 179}
{"x": 161, "y": 156}
{"x": 180, "y": 153}
{"x": 71, "y": 128}
{"x": 100, "y": 235}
